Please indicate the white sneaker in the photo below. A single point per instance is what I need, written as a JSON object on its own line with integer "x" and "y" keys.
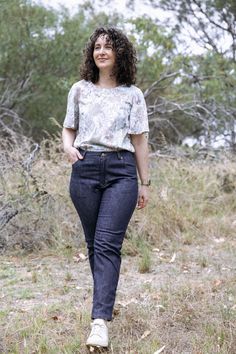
{"x": 99, "y": 334}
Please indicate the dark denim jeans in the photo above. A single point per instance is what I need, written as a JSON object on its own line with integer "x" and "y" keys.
{"x": 104, "y": 191}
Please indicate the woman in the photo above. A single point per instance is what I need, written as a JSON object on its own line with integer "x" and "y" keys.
{"x": 104, "y": 139}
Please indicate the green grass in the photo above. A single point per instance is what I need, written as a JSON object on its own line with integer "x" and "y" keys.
{"x": 145, "y": 261}
{"x": 7, "y": 272}
{"x": 25, "y": 294}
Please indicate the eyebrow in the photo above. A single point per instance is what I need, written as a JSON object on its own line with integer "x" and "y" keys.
{"x": 98, "y": 44}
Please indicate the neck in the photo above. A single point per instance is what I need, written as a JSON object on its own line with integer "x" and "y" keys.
{"x": 106, "y": 81}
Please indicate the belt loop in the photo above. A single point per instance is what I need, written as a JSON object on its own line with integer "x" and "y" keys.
{"x": 119, "y": 155}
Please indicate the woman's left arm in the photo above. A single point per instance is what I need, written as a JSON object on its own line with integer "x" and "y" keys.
{"x": 140, "y": 143}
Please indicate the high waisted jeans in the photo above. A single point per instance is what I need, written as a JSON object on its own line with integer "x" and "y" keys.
{"x": 104, "y": 191}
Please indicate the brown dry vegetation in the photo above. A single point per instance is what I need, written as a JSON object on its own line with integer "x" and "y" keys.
{"x": 177, "y": 288}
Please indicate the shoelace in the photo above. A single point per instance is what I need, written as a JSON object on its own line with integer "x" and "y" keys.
{"x": 96, "y": 327}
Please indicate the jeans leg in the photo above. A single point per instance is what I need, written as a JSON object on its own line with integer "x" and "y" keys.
{"x": 117, "y": 205}
{"x": 86, "y": 199}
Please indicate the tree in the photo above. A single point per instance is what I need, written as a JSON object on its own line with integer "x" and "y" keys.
{"x": 186, "y": 94}
{"x": 211, "y": 23}
{"x": 199, "y": 100}
{"x": 155, "y": 48}
{"x": 23, "y": 46}
{"x": 40, "y": 61}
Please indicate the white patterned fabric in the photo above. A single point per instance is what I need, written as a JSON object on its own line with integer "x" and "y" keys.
{"x": 104, "y": 118}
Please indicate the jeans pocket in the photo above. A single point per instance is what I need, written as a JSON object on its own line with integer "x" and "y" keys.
{"x": 74, "y": 164}
{"x": 130, "y": 164}
{"x": 129, "y": 159}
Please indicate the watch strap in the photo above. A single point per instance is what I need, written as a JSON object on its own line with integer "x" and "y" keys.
{"x": 146, "y": 183}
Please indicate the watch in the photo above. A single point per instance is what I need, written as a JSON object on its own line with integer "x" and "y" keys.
{"x": 146, "y": 183}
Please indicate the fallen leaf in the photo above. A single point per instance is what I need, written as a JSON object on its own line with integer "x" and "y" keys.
{"x": 219, "y": 240}
{"x": 145, "y": 335}
{"x": 116, "y": 311}
{"x": 124, "y": 304}
{"x": 185, "y": 268}
{"x": 80, "y": 257}
{"x": 160, "y": 350}
{"x": 164, "y": 194}
{"x": 161, "y": 307}
{"x": 173, "y": 258}
{"x": 216, "y": 284}
{"x": 155, "y": 296}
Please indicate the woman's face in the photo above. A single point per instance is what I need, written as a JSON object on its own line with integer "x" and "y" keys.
{"x": 103, "y": 53}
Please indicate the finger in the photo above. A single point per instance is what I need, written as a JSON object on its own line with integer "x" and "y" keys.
{"x": 80, "y": 156}
{"x": 141, "y": 206}
{"x": 140, "y": 202}
{"x": 144, "y": 204}
{"x": 145, "y": 201}
{"x": 73, "y": 160}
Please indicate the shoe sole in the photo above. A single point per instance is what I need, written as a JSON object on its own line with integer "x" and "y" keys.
{"x": 96, "y": 348}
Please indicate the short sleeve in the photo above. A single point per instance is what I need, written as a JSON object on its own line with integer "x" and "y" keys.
{"x": 72, "y": 111}
{"x": 138, "y": 115}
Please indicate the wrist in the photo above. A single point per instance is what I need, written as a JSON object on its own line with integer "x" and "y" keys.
{"x": 67, "y": 148}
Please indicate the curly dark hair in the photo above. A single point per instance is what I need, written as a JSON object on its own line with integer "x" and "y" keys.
{"x": 125, "y": 54}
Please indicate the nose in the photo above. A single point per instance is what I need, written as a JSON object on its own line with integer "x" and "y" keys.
{"x": 101, "y": 50}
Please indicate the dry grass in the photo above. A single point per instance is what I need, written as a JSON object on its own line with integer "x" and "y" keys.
{"x": 38, "y": 198}
{"x": 190, "y": 201}
{"x": 180, "y": 305}
{"x": 177, "y": 287}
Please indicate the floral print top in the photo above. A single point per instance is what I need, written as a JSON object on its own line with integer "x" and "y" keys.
{"x": 104, "y": 118}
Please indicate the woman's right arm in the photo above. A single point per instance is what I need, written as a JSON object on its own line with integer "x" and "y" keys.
{"x": 68, "y": 138}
